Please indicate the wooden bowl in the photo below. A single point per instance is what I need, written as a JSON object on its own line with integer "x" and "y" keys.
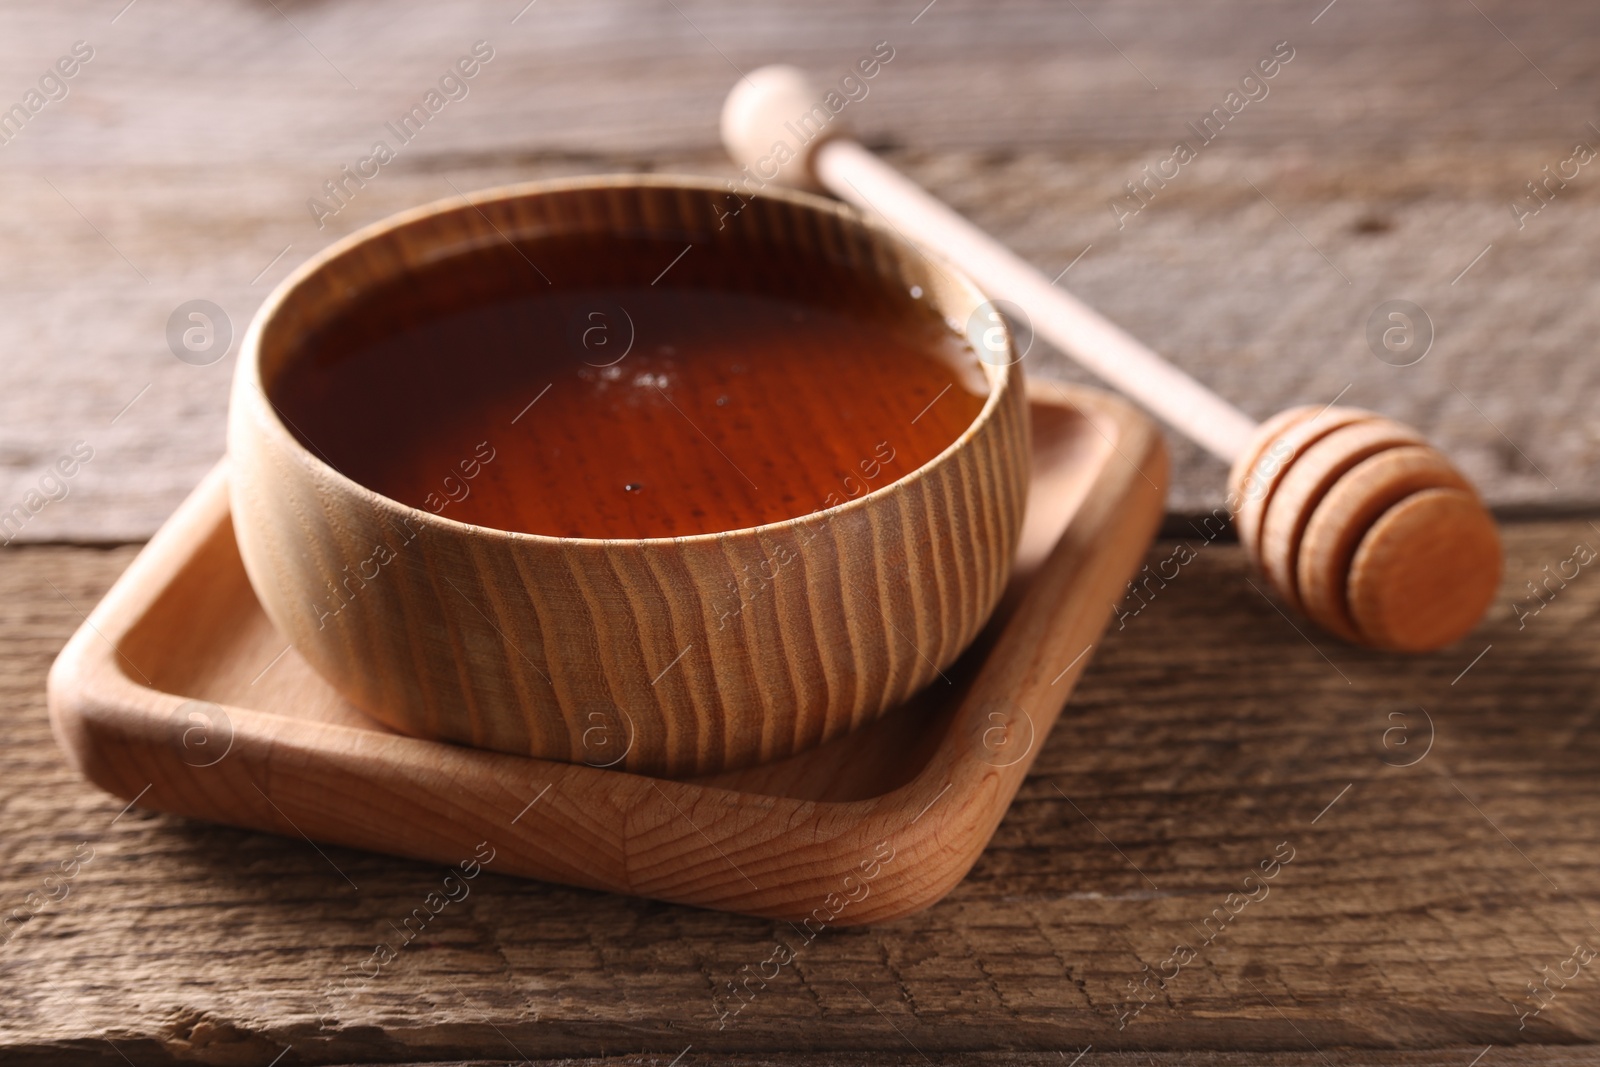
{"x": 615, "y": 652}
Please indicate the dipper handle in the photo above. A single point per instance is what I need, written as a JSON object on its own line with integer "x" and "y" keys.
{"x": 1353, "y": 518}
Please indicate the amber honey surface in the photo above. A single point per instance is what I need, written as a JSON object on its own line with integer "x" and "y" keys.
{"x": 619, "y": 387}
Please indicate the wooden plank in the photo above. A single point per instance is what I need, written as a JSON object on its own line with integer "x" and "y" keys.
{"x": 1513, "y": 1056}
{"x": 1384, "y": 161}
{"x": 1207, "y": 737}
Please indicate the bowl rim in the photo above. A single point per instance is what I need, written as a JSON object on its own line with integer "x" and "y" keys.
{"x": 1003, "y": 380}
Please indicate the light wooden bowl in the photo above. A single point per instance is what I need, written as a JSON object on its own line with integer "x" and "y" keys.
{"x": 560, "y": 647}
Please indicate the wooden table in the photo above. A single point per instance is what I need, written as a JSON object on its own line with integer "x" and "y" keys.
{"x": 1429, "y": 884}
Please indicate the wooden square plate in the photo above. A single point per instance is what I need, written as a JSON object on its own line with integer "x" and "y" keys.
{"x": 177, "y": 692}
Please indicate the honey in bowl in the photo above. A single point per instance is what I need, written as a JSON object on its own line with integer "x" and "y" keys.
{"x": 619, "y": 386}
{"x": 508, "y": 469}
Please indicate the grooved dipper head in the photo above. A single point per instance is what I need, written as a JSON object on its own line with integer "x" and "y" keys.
{"x": 1366, "y": 528}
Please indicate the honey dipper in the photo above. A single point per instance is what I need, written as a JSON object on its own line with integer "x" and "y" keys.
{"x": 1354, "y": 519}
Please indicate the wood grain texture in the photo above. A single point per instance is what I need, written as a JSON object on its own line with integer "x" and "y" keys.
{"x": 1421, "y": 902}
{"x": 1393, "y": 143}
{"x": 542, "y": 645}
{"x": 877, "y": 824}
{"x": 1370, "y": 531}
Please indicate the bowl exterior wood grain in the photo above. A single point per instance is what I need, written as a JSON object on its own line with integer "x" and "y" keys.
{"x": 667, "y": 656}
